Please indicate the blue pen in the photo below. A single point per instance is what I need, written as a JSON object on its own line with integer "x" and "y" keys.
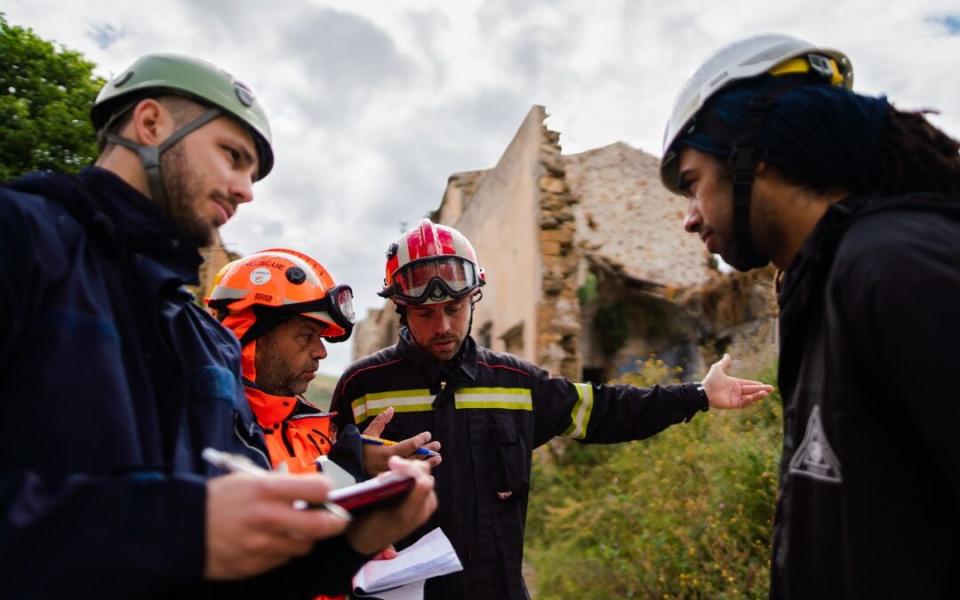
{"x": 375, "y": 441}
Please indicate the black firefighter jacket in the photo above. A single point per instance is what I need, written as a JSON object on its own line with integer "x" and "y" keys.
{"x": 489, "y": 411}
{"x": 869, "y": 503}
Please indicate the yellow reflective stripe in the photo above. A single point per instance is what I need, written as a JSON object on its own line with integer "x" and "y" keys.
{"x": 371, "y": 405}
{"x": 580, "y": 415}
{"x": 494, "y": 397}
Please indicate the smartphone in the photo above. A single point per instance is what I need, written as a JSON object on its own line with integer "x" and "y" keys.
{"x": 375, "y": 492}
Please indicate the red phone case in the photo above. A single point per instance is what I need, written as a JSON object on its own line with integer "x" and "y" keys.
{"x": 371, "y": 492}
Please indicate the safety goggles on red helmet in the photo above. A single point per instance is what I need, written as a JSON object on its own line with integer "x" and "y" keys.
{"x": 435, "y": 279}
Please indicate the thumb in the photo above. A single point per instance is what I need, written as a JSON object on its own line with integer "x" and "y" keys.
{"x": 727, "y": 361}
{"x": 724, "y": 363}
{"x": 376, "y": 426}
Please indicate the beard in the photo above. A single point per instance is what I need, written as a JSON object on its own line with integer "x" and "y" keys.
{"x": 275, "y": 375}
{"x": 184, "y": 191}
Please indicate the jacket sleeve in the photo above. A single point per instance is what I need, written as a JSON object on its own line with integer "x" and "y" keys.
{"x": 97, "y": 535}
{"x": 605, "y": 414}
{"x": 340, "y": 402}
{"x": 897, "y": 293}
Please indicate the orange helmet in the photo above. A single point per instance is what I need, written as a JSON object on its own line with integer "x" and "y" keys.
{"x": 278, "y": 282}
{"x": 431, "y": 264}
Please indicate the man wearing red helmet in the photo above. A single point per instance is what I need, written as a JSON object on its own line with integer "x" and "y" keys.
{"x": 490, "y": 410}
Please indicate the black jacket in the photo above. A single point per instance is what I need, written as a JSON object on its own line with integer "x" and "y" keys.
{"x": 489, "y": 411}
{"x": 112, "y": 381}
{"x": 869, "y": 503}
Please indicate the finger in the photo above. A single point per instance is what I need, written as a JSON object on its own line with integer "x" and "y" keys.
{"x": 755, "y": 387}
{"x": 377, "y": 425}
{"x": 277, "y": 486}
{"x": 276, "y": 547}
{"x": 755, "y": 397}
{"x": 432, "y": 446}
{"x": 434, "y": 461}
{"x": 753, "y": 382}
{"x": 301, "y": 525}
{"x": 409, "y": 445}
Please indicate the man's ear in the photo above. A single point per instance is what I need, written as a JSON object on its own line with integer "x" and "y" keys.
{"x": 151, "y": 123}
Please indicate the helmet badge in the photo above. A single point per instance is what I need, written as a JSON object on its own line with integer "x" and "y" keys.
{"x": 260, "y": 276}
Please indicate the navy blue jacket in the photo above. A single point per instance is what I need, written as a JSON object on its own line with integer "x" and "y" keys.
{"x": 112, "y": 381}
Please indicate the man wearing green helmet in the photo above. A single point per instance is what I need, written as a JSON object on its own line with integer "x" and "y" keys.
{"x": 113, "y": 381}
{"x": 857, "y": 203}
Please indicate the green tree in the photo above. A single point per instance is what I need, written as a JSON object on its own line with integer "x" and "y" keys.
{"x": 45, "y": 98}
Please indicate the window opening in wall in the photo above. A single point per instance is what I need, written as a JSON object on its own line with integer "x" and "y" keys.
{"x": 485, "y": 335}
{"x": 513, "y": 340}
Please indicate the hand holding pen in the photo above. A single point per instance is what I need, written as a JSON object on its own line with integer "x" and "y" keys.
{"x": 255, "y": 519}
{"x": 377, "y": 451}
{"x": 236, "y": 463}
{"x": 253, "y": 525}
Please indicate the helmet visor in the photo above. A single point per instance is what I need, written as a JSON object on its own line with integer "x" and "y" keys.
{"x": 452, "y": 276}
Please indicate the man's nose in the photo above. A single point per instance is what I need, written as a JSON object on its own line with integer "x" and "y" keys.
{"x": 442, "y": 323}
{"x": 319, "y": 350}
{"x": 693, "y": 219}
{"x": 241, "y": 188}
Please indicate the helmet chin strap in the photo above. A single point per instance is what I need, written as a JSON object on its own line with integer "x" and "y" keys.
{"x": 150, "y": 155}
{"x": 743, "y": 162}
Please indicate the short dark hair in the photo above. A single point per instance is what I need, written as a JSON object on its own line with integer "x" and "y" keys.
{"x": 182, "y": 109}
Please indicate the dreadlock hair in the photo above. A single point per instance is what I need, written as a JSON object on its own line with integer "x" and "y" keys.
{"x": 915, "y": 156}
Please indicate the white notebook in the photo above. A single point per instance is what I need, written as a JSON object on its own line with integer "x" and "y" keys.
{"x": 431, "y": 556}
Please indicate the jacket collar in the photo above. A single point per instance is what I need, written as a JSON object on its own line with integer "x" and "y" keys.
{"x": 464, "y": 363}
{"x": 271, "y": 409}
{"x": 117, "y": 214}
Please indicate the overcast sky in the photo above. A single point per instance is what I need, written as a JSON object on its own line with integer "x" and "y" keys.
{"x": 375, "y": 103}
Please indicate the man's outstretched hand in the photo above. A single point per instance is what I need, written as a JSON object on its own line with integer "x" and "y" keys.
{"x": 724, "y": 391}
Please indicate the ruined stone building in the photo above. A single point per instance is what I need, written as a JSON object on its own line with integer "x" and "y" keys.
{"x": 215, "y": 257}
{"x": 588, "y": 267}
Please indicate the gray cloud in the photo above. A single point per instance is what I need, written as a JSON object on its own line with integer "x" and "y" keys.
{"x": 105, "y": 35}
{"x": 345, "y": 59}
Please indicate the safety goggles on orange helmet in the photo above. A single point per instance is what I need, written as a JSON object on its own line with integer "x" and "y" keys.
{"x": 336, "y": 306}
{"x": 435, "y": 279}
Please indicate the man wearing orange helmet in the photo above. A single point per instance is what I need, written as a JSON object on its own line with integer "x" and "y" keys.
{"x": 282, "y": 305}
{"x": 490, "y": 410}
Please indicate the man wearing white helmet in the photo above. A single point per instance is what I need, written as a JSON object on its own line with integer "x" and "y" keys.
{"x": 489, "y": 410}
{"x": 858, "y": 205}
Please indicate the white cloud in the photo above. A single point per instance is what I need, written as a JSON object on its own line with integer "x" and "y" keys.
{"x": 375, "y": 103}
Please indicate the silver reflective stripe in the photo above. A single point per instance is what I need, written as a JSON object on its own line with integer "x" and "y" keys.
{"x": 371, "y": 405}
{"x": 494, "y": 397}
{"x": 580, "y": 415}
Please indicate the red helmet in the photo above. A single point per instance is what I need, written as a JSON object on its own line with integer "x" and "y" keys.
{"x": 280, "y": 281}
{"x": 431, "y": 264}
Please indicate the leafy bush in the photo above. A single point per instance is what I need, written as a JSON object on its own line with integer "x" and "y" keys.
{"x": 686, "y": 514}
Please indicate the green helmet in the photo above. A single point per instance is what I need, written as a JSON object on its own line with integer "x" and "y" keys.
{"x": 192, "y": 77}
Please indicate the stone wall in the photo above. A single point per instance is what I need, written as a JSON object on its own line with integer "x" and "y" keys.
{"x": 558, "y": 310}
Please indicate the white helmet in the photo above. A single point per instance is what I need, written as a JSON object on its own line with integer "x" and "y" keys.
{"x": 775, "y": 53}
